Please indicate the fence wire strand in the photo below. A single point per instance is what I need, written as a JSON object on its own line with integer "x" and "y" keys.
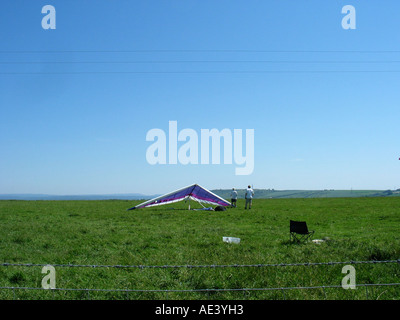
{"x": 199, "y": 290}
{"x": 204, "y": 290}
{"x": 305, "y": 264}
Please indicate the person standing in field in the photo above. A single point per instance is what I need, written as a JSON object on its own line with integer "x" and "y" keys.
{"x": 249, "y": 197}
{"x": 234, "y": 196}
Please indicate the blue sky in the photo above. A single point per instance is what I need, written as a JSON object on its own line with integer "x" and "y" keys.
{"x": 323, "y": 101}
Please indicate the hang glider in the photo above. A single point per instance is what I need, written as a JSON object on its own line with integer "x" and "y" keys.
{"x": 193, "y": 192}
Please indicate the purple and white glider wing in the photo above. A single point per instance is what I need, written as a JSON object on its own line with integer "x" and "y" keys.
{"x": 194, "y": 192}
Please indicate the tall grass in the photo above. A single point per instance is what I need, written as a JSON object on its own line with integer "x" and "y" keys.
{"x": 104, "y": 233}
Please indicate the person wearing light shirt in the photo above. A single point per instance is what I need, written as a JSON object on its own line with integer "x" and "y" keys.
{"x": 249, "y": 197}
{"x": 234, "y": 196}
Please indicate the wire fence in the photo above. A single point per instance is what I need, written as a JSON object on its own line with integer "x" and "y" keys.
{"x": 88, "y": 292}
{"x": 305, "y": 264}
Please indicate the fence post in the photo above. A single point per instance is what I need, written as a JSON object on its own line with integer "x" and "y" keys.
{"x": 323, "y": 289}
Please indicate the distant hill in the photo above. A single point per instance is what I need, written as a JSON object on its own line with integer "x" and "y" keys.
{"x": 224, "y": 193}
{"x": 129, "y": 196}
{"x": 278, "y": 194}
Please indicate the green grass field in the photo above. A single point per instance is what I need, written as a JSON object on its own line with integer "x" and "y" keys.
{"x": 104, "y": 233}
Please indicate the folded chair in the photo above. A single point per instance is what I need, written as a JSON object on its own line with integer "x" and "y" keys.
{"x": 299, "y": 231}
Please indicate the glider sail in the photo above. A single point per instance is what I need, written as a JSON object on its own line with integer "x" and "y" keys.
{"x": 193, "y": 192}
